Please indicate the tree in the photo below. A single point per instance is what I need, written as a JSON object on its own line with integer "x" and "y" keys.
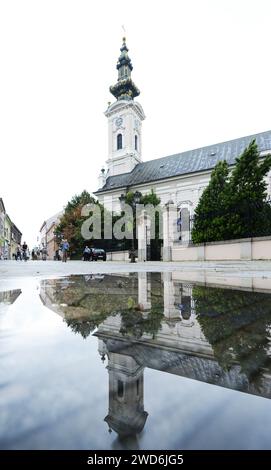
{"x": 235, "y": 323}
{"x": 71, "y": 222}
{"x": 209, "y": 219}
{"x": 150, "y": 198}
{"x": 249, "y": 213}
{"x": 235, "y": 206}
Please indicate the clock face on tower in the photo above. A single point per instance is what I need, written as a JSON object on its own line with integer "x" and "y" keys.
{"x": 118, "y": 121}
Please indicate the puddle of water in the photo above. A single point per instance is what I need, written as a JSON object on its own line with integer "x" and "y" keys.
{"x": 138, "y": 361}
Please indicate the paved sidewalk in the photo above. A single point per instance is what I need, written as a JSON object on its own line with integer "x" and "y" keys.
{"x": 43, "y": 269}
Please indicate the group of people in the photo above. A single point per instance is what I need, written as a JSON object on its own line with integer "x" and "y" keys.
{"x": 37, "y": 254}
{"x": 64, "y": 249}
{"x": 22, "y": 252}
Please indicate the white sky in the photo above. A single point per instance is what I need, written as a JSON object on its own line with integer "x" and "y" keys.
{"x": 203, "y": 68}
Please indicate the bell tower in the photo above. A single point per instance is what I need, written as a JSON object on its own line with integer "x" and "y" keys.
{"x": 126, "y": 414}
{"x": 125, "y": 118}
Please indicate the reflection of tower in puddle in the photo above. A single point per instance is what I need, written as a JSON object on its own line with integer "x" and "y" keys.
{"x": 126, "y": 414}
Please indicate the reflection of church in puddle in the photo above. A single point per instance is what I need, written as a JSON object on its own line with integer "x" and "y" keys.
{"x": 233, "y": 354}
{"x": 127, "y": 359}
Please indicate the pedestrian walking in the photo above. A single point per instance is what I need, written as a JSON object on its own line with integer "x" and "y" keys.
{"x": 18, "y": 253}
{"x": 86, "y": 253}
{"x": 44, "y": 253}
{"x": 25, "y": 250}
{"x": 65, "y": 248}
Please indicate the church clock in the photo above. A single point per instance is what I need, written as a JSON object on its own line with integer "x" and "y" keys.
{"x": 118, "y": 122}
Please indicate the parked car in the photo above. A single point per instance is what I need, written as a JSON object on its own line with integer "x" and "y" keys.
{"x": 97, "y": 253}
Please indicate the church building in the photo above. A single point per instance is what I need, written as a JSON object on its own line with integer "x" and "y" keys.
{"x": 179, "y": 178}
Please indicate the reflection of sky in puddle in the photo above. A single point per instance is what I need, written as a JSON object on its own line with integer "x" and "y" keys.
{"x": 55, "y": 391}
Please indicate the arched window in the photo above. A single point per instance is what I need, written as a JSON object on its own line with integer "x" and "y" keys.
{"x": 136, "y": 142}
{"x": 119, "y": 141}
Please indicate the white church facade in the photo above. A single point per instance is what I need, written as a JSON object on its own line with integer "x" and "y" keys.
{"x": 179, "y": 179}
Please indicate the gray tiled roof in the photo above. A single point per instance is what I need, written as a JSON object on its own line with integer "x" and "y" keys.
{"x": 192, "y": 161}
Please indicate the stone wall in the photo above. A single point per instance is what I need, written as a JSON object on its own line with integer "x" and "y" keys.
{"x": 117, "y": 255}
{"x": 230, "y": 250}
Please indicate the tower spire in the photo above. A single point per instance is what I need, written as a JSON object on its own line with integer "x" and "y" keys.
{"x": 124, "y": 89}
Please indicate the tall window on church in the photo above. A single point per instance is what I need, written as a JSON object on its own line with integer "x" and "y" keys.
{"x": 120, "y": 389}
{"x": 119, "y": 141}
{"x": 136, "y": 142}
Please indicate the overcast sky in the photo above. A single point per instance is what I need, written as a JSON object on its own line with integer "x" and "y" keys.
{"x": 203, "y": 68}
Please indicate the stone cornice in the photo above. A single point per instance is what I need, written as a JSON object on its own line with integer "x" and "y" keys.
{"x": 122, "y": 105}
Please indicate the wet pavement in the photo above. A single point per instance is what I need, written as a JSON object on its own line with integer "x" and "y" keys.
{"x": 39, "y": 269}
{"x": 135, "y": 360}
